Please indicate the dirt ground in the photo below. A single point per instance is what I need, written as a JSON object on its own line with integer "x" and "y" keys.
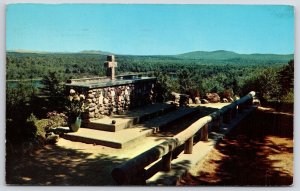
{"x": 258, "y": 152}
{"x": 69, "y": 163}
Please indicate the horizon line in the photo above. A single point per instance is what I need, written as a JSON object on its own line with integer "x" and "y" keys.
{"x": 126, "y": 54}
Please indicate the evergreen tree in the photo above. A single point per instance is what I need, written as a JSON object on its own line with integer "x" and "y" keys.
{"x": 185, "y": 81}
{"x": 286, "y": 78}
{"x": 52, "y": 86}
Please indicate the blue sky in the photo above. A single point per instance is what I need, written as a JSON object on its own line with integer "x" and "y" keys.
{"x": 150, "y": 29}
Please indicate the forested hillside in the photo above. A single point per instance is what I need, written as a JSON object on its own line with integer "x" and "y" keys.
{"x": 90, "y": 63}
{"x": 200, "y": 71}
{"x": 235, "y": 57}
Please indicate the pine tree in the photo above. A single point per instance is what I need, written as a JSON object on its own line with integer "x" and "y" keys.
{"x": 52, "y": 86}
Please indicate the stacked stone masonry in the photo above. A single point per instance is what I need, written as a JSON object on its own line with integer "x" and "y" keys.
{"x": 106, "y": 101}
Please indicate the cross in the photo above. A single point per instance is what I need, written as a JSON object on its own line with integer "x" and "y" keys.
{"x": 110, "y": 65}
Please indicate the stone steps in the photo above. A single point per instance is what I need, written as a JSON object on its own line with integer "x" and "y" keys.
{"x": 126, "y": 137}
{"x": 169, "y": 119}
{"x": 130, "y": 118}
{"x": 118, "y": 139}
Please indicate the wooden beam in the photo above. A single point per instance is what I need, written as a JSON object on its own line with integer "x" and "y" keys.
{"x": 204, "y": 133}
{"x": 227, "y": 116}
{"x": 234, "y": 112}
{"x": 123, "y": 173}
{"x": 216, "y": 124}
{"x": 166, "y": 161}
{"x": 139, "y": 179}
{"x": 188, "y": 146}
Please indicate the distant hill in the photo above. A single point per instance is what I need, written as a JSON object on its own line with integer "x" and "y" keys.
{"x": 95, "y": 52}
{"x": 27, "y": 51}
{"x": 47, "y": 52}
{"x": 233, "y": 56}
{"x": 207, "y": 57}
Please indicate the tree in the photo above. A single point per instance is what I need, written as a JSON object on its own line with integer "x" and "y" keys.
{"x": 286, "y": 77}
{"x": 18, "y": 108}
{"x": 286, "y": 81}
{"x": 265, "y": 83}
{"x": 52, "y": 86}
{"x": 185, "y": 81}
{"x": 53, "y": 93}
{"x": 269, "y": 84}
{"x": 164, "y": 86}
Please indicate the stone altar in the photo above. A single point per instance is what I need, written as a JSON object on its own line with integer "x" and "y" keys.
{"x": 110, "y": 95}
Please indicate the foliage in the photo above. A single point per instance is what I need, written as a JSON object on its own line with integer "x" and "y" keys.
{"x": 35, "y": 129}
{"x": 74, "y": 105}
{"x": 286, "y": 77}
{"x": 289, "y": 97}
{"x": 18, "y": 97}
{"x": 164, "y": 86}
{"x": 31, "y": 65}
{"x": 265, "y": 83}
{"x": 36, "y": 65}
{"x": 56, "y": 119}
{"x": 268, "y": 84}
{"x": 52, "y": 91}
{"x": 18, "y": 109}
{"x": 185, "y": 81}
{"x": 52, "y": 86}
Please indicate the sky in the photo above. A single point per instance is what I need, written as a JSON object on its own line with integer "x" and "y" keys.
{"x": 150, "y": 29}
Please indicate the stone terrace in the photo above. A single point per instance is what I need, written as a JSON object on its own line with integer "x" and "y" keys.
{"x": 131, "y": 127}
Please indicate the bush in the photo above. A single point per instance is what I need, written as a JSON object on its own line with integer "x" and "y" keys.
{"x": 289, "y": 97}
{"x": 56, "y": 119}
{"x": 35, "y": 129}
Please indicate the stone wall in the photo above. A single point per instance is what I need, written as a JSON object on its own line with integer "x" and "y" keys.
{"x": 115, "y": 99}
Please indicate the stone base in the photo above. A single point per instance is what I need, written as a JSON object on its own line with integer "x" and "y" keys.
{"x": 105, "y": 124}
{"x": 128, "y": 119}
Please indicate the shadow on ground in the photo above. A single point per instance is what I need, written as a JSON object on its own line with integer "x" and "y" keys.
{"x": 55, "y": 165}
{"x": 257, "y": 152}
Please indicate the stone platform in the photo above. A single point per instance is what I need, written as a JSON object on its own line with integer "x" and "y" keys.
{"x": 120, "y": 139}
{"x": 130, "y": 118}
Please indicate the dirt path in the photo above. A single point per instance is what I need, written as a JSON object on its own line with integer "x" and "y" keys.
{"x": 257, "y": 152}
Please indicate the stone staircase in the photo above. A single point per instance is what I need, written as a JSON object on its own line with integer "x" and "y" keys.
{"x": 130, "y": 118}
{"x": 132, "y": 126}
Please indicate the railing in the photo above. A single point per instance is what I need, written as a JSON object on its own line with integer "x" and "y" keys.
{"x": 132, "y": 172}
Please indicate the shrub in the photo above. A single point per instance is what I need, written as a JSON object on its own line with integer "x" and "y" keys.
{"x": 289, "y": 97}
{"x": 56, "y": 119}
{"x": 35, "y": 130}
